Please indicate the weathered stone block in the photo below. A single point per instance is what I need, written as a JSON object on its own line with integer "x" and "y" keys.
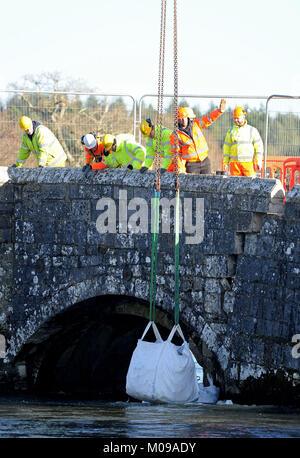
{"x": 271, "y": 272}
{"x": 212, "y": 285}
{"x": 292, "y": 229}
{"x": 198, "y": 283}
{"x": 229, "y": 299}
{"x": 52, "y": 191}
{"x": 81, "y": 210}
{"x": 251, "y": 241}
{"x": 214, "y": 219}
{"x": 218, "y": 266}
{"x": 257, "y": 204}
{"x": 249, "y": 268}
{"x": 225, "y": 202}
{"x": 44, "y": 231}
{"x": 6, "y": 209}
{"x": 7, "y": 192}
{"x": 273, "y": 225}
{"x": 24, "y": 231}
{"x": 212, "y": 303}
{"x": 5, "y": 223}
{"x": 243, "y": 221}
{"x": 259, "y": 245}
{"x": 227, "y": 242}
{"x": 56, "y": 210}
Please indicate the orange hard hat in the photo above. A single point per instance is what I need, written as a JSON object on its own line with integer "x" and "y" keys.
{"x": 238, "y": 111}
{"x": 185, "y": 112}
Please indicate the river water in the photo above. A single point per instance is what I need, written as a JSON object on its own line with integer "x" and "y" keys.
{"x": 24, "y": 416}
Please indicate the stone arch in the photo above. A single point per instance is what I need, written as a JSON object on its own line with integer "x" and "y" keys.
{"x": 53, "y": 357}
{"x": 60, "y": 301}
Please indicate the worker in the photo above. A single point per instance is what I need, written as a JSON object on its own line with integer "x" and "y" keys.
{"x": 94, "y": 153}
{"x": 159, "y": 138}
{"x": 123, "y": 152}
{"x": 191, "y": 143}
{"x": 42, "y": 142}
{"x": 243, "y": 147}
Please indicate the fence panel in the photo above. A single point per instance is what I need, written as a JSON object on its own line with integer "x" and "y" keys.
{"x": 201, "y": 104}
{"x": 283, "y": 125}
{"x": 68, "y": 115}
{"x": 282, "y": 139}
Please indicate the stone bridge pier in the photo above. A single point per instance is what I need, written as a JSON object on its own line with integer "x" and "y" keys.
{"x": 75, "y": 261}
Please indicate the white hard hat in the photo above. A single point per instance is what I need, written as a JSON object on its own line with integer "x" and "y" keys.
{"x": 89, "y": 141}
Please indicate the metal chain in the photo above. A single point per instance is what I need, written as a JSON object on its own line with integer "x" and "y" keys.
{"x": 175, "y": 102}
{"x": 157, "y": 160}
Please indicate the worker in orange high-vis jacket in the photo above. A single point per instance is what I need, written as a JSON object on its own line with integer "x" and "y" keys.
{"x": 243, "y": 147}
{"x": 94, "y": 153}
{"x": 191, "y": 143}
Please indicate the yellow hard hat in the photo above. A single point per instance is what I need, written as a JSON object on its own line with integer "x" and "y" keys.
{"x": 25, "y": 122}
{"x": 238, "y": 111}
{"x": 146, "y": 127}
{"x": 185, "y": 112}
{"x": 108, "y": 141}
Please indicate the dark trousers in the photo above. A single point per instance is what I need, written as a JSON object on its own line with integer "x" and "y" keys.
{"x": 199, "y": 168}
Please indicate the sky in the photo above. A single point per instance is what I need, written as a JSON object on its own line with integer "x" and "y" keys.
{"x": 224, "y": 47}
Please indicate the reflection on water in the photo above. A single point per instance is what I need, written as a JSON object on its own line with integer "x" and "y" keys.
{"x": 47, "y": 418}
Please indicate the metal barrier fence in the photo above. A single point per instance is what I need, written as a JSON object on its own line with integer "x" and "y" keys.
{"x": 72, "y": 114}
{"x": 203, "y": 104}
{"x": 68, "y": 114}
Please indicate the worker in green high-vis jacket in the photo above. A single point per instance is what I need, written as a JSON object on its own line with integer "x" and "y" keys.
{"x": 158, "y": 137}
{"x": 40, "y": 141}
{"x": 122, "y": 152}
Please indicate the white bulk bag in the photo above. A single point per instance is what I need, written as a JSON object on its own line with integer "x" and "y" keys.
{"x": 161, "y": 371}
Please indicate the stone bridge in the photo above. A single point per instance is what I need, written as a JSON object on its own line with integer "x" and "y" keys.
{"x": 74, "y": 300}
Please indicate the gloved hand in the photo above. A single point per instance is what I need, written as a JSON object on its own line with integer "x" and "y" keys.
{"x": 143, "y": 169}
{"x": 162, "y": 171}
{"x": 40, "y": 167}
{"x": 105, "y": 152}
{"x": 222, "y": 105}
{"x": 86, "y": 168}
{"x": 13, "y": 166}
{"x": 130, "y": 167}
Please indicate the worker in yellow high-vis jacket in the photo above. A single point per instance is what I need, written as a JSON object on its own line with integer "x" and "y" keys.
{"x": 39, "y": 140}
{"x": 159, "y": 138}
{"x": 243, "y": 147}
{"x": 123, "y": 151}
